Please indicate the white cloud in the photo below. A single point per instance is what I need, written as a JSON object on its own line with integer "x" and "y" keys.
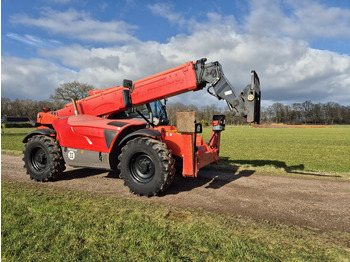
{"x": 105, "y": 67}
{"x": 78, "y": 25}
{"x": 304, "y": 20}
{"x": 289, "y": 70}
{"x": 318, "y": 20}
{"x": 165, "y": 10}
{"x": 34, "y": 40}
{"x": 31, "y": 78}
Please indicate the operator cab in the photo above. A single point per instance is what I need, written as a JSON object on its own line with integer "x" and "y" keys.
{"x": 155, "y": 110}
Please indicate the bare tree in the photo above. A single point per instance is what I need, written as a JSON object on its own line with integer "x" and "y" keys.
{"x": 66, "y": 91}
{"x": 307, "y": 110}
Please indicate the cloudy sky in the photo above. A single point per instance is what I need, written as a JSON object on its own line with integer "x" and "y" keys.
{"x": 299, "y": 48}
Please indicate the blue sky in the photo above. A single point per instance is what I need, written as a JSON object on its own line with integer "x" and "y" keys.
{"x": 300, "y": 48}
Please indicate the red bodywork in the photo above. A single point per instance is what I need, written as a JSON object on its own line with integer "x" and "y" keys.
{"x": 87, "y": 131}
{"x": 108, "y": 101}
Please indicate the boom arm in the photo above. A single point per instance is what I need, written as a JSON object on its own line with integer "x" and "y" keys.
{"x": 181, "y": 79}
{"x": 192, "y": 76}
{"x": 246, "y": 104}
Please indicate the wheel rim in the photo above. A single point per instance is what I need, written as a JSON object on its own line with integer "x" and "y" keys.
{"x": 39, "y": 159}
{"x": 142, "y": 167}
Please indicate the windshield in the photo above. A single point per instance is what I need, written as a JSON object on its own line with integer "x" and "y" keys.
{"x": 158, "y": 110}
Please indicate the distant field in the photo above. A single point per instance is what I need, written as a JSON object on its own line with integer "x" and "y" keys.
{"x": 266, "y": 150}
{"x": 11, "y": 139}
{"x": 281, "y": 150}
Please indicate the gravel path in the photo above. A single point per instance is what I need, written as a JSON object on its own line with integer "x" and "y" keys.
{"x": 321, "y": 204}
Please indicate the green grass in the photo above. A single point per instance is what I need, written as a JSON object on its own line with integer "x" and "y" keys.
{"x": 11, "y": 140}
{"x": 325, "y": 151}
{"x": 48, "y": 224}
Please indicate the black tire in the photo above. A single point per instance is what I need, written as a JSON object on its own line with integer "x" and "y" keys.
{"x": 147, "y": 166}
{"x": 43, "y": 158}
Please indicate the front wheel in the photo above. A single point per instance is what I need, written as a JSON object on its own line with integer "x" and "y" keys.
{"x": 42, "y": 158}
{"x": 146, "y": 165}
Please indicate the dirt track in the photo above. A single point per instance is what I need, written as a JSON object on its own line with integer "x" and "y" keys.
{"x": 321, "y": 204}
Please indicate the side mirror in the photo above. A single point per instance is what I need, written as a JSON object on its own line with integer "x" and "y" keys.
{"x": 128, "y": 84}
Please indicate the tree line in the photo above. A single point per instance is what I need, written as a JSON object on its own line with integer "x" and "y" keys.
{"x": 24, "y": 107}
{"x": 298, "y": 113}
{"x": 307, "y": 113}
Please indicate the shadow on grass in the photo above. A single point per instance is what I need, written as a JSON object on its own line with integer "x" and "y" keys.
{"x": 296, "y": 169}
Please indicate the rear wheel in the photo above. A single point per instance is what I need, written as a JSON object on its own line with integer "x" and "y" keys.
{"x": 42, "y": 158}
{"x": 146, "y": 165}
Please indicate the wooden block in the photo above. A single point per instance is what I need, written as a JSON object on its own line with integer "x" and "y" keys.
{"x": 185, "y": 122}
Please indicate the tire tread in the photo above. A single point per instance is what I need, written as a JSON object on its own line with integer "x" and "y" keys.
{"x": 165, "y": 157}
{"x": 57, "y": 164}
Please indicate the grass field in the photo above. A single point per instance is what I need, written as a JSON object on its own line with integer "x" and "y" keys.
{"x": 11, "y": 139}
{"x": 324, "y": 151}
{"x": 49, "y": 224}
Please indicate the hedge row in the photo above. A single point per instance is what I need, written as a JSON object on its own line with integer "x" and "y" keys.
{"x": 20, "y": 125}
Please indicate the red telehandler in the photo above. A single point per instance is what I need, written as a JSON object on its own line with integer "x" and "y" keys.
{"x": 126, "y": 128}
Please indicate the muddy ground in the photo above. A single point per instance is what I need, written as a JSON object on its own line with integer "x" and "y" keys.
{"x": 321, "y": 204}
